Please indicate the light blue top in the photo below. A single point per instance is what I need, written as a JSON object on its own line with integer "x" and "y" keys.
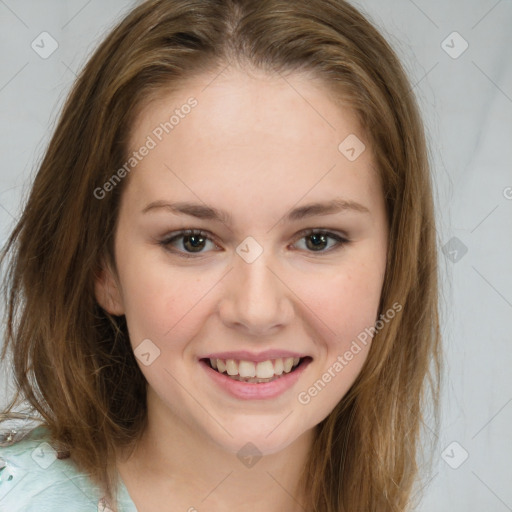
{"x": 33, "y": 479}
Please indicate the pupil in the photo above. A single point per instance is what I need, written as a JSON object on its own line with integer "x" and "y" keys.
{"x": 197, "y": 240}
{"x": 318, "y": 239}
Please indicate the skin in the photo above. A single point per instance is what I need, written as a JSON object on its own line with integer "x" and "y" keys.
{"x": 257, "y": 146}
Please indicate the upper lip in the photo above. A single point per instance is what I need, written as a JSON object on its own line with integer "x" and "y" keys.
{"x": 244, "y": 355}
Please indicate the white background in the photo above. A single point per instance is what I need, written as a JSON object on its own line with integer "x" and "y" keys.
{"x": 467, "y": 106}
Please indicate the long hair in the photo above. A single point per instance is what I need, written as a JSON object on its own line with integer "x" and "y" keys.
{"x": 72, "y": 361}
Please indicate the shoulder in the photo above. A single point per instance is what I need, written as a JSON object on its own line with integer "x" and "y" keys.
{"x": 33, "y": 479}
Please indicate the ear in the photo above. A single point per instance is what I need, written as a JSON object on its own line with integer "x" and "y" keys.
{"x": 107, "y": 291}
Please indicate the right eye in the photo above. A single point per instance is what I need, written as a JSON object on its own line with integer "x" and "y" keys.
{"x": 192, "y": 240}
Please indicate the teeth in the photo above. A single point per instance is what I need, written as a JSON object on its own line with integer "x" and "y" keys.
{"x": 221, "y": 365}
{"x": 264, "y": 370}
{"x": 248, "y": 371}
{"x": 288, "y": 363}
{"x": 231, "y": 367}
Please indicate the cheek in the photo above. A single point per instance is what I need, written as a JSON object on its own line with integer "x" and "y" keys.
{"x": 158, "y": 299}
{"x": 343, "y": 312}
{"x": 345, "y": 301}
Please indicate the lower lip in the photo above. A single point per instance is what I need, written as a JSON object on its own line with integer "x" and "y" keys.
{"x": 254, "y": 390}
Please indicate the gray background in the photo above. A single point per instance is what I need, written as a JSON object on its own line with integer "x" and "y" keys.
{"x": 466, "y": 99}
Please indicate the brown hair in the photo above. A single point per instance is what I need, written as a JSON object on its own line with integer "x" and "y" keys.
{"x": 73, "y": 362}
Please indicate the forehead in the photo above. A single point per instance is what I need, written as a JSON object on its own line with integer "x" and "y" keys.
{"x": 235, "y": 106}
{"x": 268, "y": 135}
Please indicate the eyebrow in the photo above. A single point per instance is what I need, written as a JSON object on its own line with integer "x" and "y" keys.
{"x": 202, "y": 211}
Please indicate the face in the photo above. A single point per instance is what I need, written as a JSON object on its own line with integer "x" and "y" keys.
{"x": 265, "y": 279}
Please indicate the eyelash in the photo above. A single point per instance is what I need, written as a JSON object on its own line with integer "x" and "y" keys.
{"x": 341, "y": 241}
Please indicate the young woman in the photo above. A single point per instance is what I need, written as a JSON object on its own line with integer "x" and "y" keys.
{"x": 222, "y": 292}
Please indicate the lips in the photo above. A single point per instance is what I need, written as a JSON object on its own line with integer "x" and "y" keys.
{"x": 253, "y": 388}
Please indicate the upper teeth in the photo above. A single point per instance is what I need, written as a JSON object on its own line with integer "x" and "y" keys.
{"x": 261, "y": 370}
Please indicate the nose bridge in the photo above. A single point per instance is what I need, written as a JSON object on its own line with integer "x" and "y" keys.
{"x": 255, "y": 297}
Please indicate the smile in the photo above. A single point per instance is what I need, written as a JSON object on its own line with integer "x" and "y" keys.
{"x": 255, "y": 372}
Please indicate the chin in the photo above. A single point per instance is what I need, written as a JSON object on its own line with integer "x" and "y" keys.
{"x": 259, "y": 437}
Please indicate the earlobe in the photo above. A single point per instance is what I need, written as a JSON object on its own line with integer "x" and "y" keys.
{"x": 107, "y": 292}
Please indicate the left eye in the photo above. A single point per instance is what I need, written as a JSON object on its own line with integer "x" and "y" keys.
{"x": 320, "y": 237}
{"x": 193, "y": 241}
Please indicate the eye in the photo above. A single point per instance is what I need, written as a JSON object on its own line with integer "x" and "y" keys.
{"x": 319, "y": 239}
{"x": 193, "y": 241}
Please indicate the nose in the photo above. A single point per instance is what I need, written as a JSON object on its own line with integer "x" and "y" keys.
{"x": 256, "y": 299}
